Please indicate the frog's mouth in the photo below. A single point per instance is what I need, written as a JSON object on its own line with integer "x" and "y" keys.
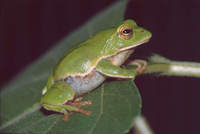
{"x": 135, "y": 45}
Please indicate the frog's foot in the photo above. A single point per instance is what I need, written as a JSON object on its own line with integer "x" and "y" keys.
{"x": 78, "y": 99}
{"x": 76, "y": 107}
{"x": 82, "y": 103}
{"x": 141, "y": 65}
{"x": 79, "y": 104}
{"x": 84, "y": 112}
{"x": 66, "y": 116}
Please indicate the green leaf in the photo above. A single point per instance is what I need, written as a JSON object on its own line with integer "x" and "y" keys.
{"x": 115, "y": 104}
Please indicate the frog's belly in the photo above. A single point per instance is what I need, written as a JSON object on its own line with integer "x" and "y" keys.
{"x": 85, "y": 84}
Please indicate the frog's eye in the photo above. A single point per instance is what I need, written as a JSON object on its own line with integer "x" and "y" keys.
{"x": 125, "y": 32}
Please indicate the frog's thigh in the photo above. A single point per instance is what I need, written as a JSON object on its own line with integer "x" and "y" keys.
{"x": 108, "y": 69}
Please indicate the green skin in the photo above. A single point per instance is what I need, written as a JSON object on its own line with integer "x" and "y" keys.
{"x": 99, "y": 56}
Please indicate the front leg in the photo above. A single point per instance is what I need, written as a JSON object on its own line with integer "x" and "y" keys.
{"x": 108, "y": 69}
{"x": 140, "y": 64}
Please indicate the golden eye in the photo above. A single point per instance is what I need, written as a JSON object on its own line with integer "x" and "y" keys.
{"x": 125, "y": 32}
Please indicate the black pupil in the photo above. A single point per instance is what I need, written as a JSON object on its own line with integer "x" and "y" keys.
{"x": 127, "y": 31}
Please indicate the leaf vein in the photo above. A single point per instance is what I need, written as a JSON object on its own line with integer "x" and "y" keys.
{"x": 101, "y": 110}
{"x": 50, "y": 128}
{"x": 21, "y": 116}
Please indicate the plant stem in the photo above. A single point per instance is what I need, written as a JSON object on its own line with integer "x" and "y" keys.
{"x": 162, "y": 66}
{"x": 141, "y": 126}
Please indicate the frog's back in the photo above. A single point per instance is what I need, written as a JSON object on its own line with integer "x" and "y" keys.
{"x": 83, "y": 59}
{"x": 78, "y": 62}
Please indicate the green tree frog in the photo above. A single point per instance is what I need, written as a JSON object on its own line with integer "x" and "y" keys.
{"x": 85, "y": 67}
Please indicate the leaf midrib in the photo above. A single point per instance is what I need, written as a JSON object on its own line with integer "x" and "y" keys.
{"x": 101, "y": 110}
{"x": 34, "y": 108}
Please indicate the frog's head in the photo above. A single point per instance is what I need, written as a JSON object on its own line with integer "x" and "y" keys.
{"x": 128, "y": 35}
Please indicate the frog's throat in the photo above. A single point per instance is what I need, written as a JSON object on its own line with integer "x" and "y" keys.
{"x": 135, "y": 45}
{"x": 104, "y": 57}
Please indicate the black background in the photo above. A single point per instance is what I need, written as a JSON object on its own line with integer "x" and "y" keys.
{"x": 171, "y": 104}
